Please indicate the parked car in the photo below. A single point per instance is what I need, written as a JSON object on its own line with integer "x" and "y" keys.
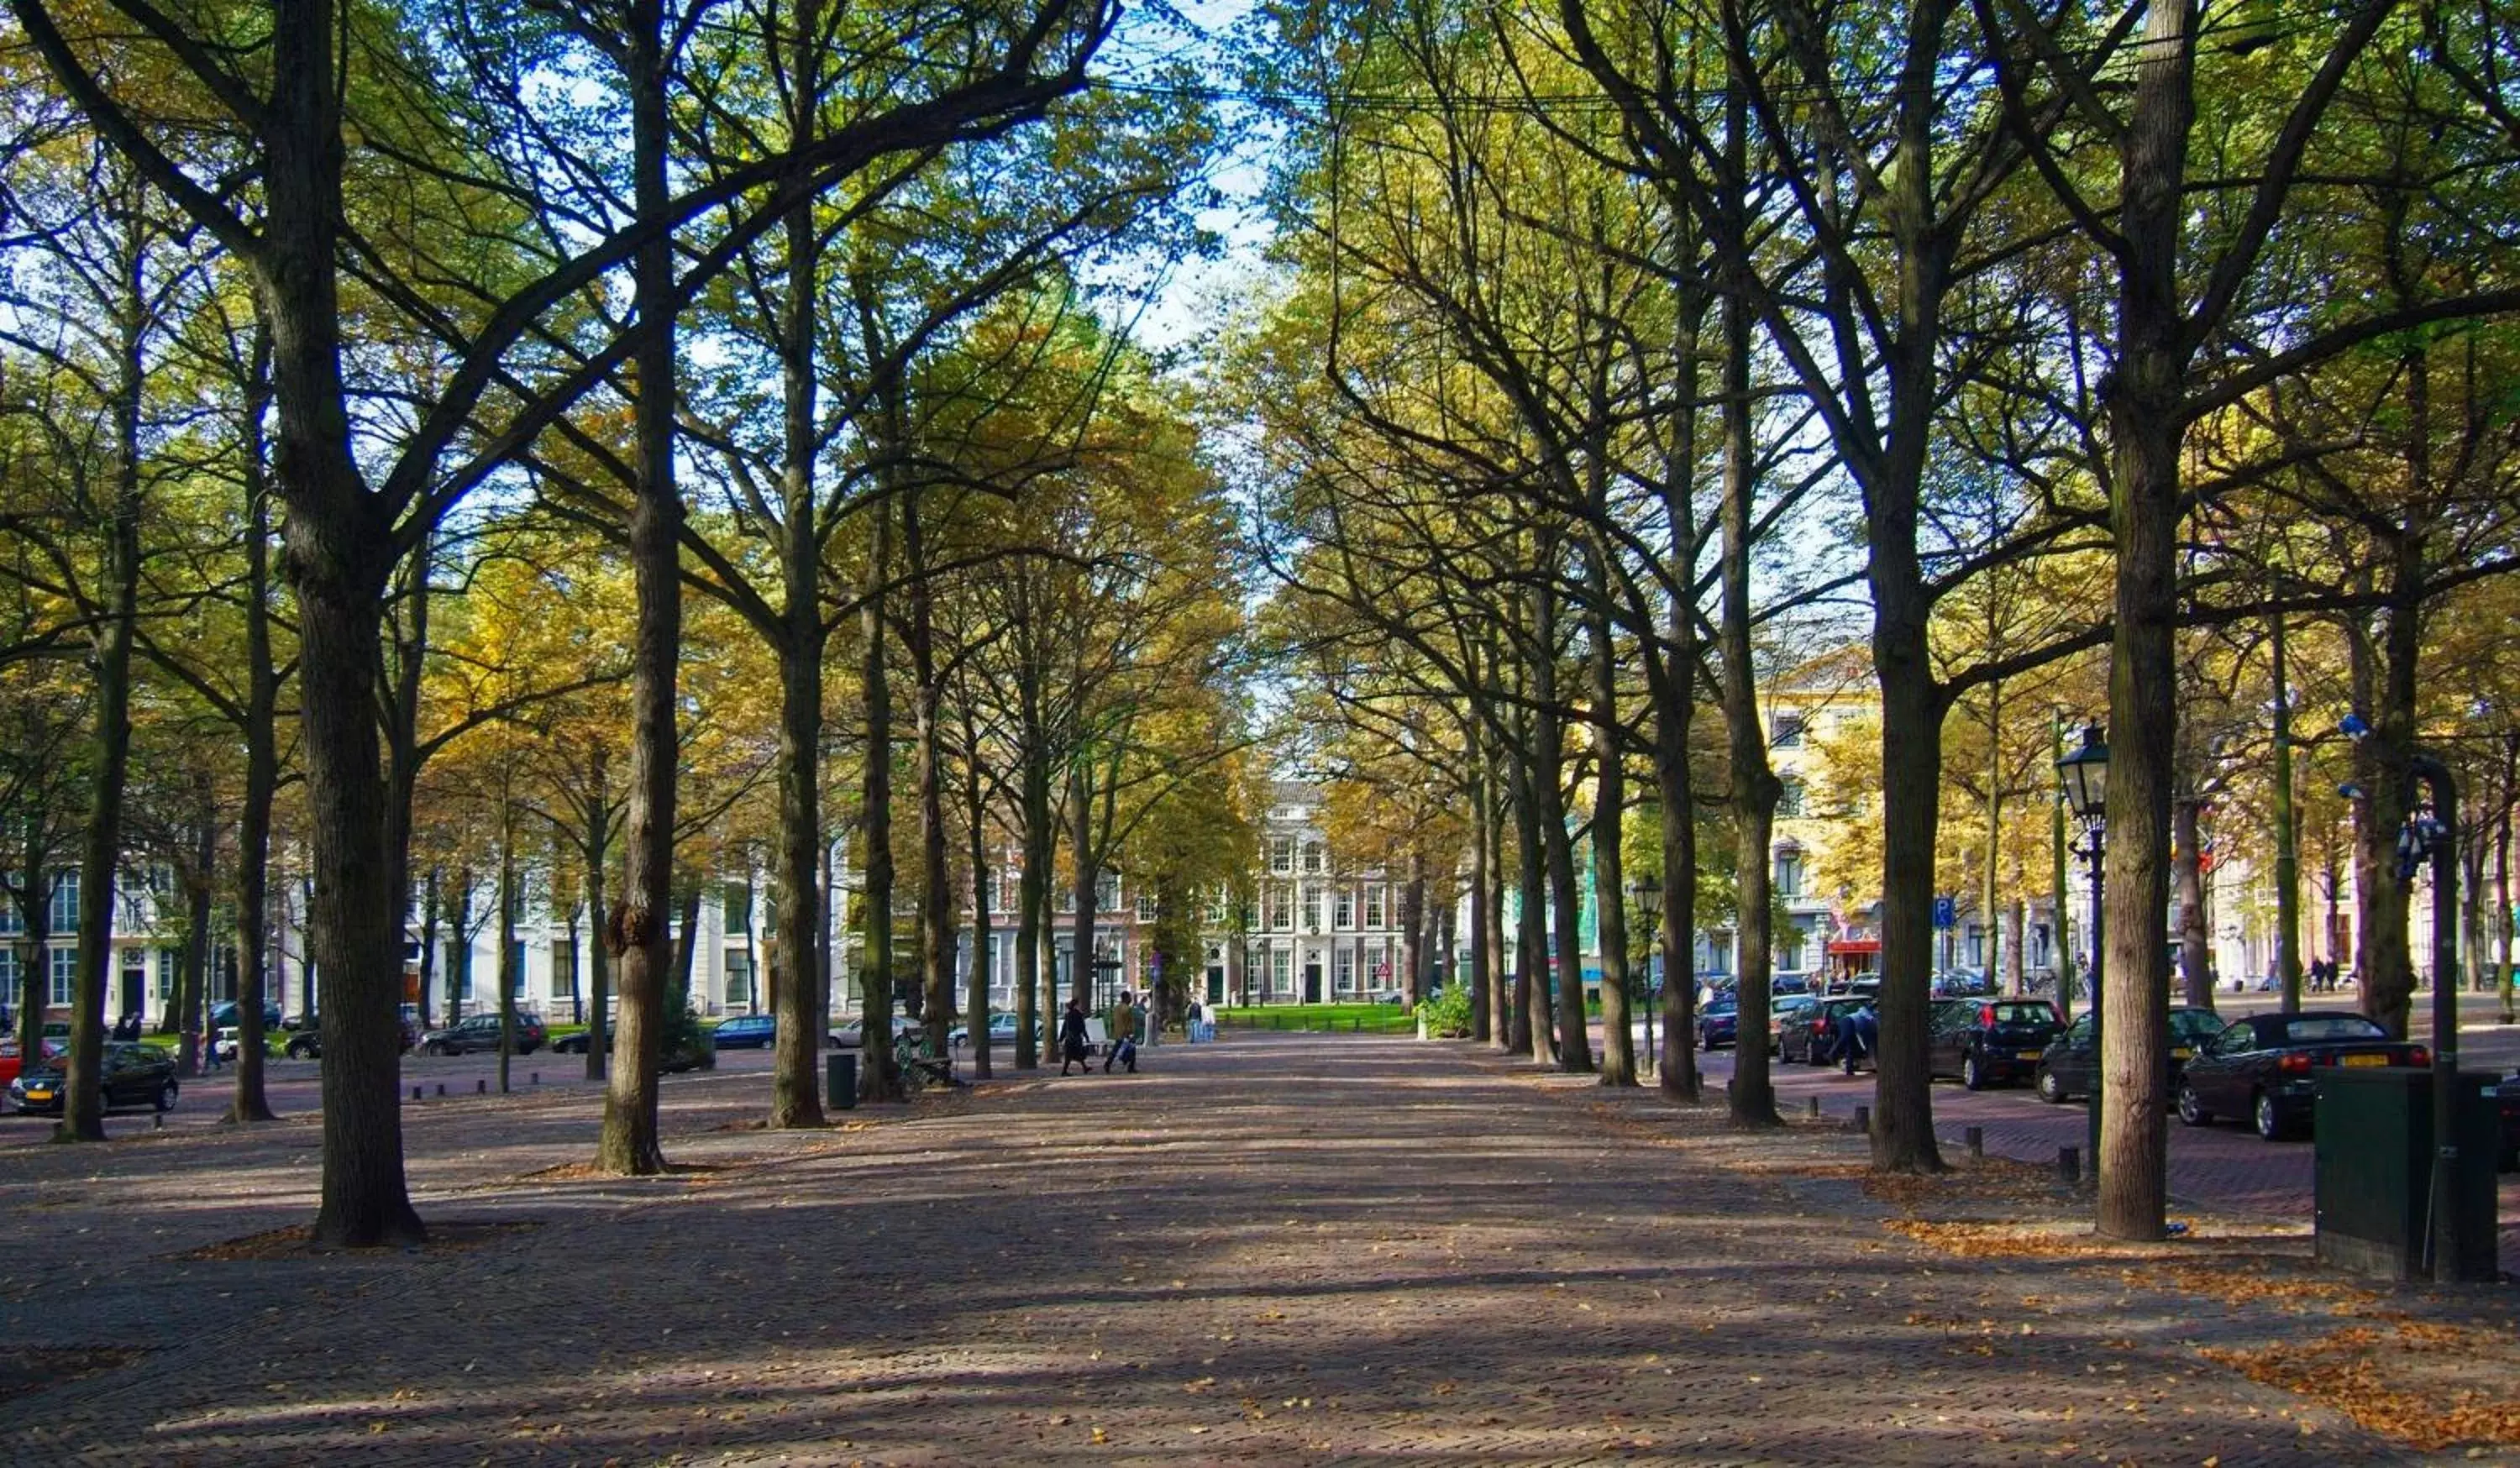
{"x": 223, "y": 1016}
{"x": 1810, "y": 1042}
{"x": 9, "y": 1063}
{"x": 1787, "y": 1011}
{"x": 2265, "y": 1067}
{"x": 1783, "y": 983}
{"x": 1002, "y": 1032}
{"x": 2065, "y": 1071}
{"x": 1990, "y": 1043}
{"x": 1719, "y": 1023}
{"x": 847, "y": 1037}
{"x": 1960, "y": 983}
{"x": 480, "y": 1032}
{"x": 132, "y": 1075}
{"x": 698, "y": 1050}
{"x": 747, "y": 1032}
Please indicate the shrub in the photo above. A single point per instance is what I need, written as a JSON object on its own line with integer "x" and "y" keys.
{"x": 1448, "y": 1014}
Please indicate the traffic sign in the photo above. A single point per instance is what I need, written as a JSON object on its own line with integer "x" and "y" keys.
{"x": 1946, "y": 912}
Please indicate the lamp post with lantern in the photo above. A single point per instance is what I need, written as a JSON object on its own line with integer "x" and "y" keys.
{"x": 2085, "y": 777}
{"x": 1647, "y": 892}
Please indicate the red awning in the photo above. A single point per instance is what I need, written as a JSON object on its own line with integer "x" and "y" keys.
{"x": 1855, "y": 946}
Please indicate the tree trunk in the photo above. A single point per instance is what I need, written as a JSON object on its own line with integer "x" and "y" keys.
{"x": 428, "y": 910}
{"x": 1610, "y": 803}
{"x": 596, "y": 844}
{"x": 35, "y": 899}
{"x": 192, "y": 981}
{"x": 1574, "y": 1046}
{"x": 631, "y": 1143}
{"x": 2195, "y": 940}
{"x": 1532, "y": 1013}
{"x": 975, "y": 1008}
{"x": 878, "y": 1077}
{"x": 1032, "y": 885}
{"x": 1755, "y": 786}
{"x": 507, "y": 953}
{"x": 109, "y": 750}
{"x": 249, "y": 1103}
{"x": 1413, "y": 930}
{"x": 936, "y": 883}
{"x": 2381, "y": 896}
{"x": 1483, "y": 818}
{"x": 797, "y": 985}
{"x": 1080, "y": 815}
{"x": 2143, "y": 406}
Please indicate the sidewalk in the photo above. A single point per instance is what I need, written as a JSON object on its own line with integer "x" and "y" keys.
{"x": 1308, "y": 1249}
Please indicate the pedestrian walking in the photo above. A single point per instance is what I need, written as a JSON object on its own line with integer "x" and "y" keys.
{"x": 1072, "y": 1038}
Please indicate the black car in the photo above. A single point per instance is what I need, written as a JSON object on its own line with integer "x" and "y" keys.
{"x": 1719, "y": 1022}
{"x": 1786, "y": 1012}
{"x": 1810, "y": 1042}
{"x": 132, "y": 1075}
{"x": 686, "y": 1048}
{"x": 480, "y": 1032}
{"x": 1991, "y": 1041}
{"x": 747, "y": 1032}
{"x": 224, "y": 1016}
{"x": 306, "y": 1038}
{"x": 2065, "y": 1071}
{"x": 2265, "y": 1067}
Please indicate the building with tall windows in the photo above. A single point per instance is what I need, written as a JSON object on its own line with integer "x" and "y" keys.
{"x": 1319, "y": 929}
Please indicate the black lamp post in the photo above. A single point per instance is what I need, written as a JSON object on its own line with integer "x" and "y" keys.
{"x": 2085, "y": 777}
{"x": 1647, "y": 891}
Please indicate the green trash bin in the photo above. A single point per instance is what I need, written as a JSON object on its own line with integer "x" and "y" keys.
{"x": 2374, "y": 1180}
{"x": 841, "y": 1081}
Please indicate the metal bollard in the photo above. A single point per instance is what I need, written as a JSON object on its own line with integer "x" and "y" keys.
{"x": 1975, "y": 1137}
{"x": 2069, "y": 1164}
{"x": 1811, "y": 1107}
{"x": 1863, "y": 1120}
{"x": 415, "y": 1093}
{"x": 534, "y": 1078}
{"x": 481, "y": 1088}
{"x": 441, "y": 1087}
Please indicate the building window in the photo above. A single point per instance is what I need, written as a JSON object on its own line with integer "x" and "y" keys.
{"x": 1789, "y": 797}
{"x": 1343, "y": 969}
{"x": 1789, "y": 948}
{"x": 739, "y": 980}
{"x": 1282, "y": 855}
{"x": 1787, "y": 733}
{"x": 1313, "y": 858}
{"x": 1373, "y": 905}
{"x": 1216, "y": 909}
{"x": 1282, "y": 971}
{"x": 11, "y": 921}
{"x": 169, "y": 961}
{"x": 9, "y": 981}
{"x": 65, "y": 977}
{"x": 1106, "y": 893}
{"x": 563, "y": 969}
{"x": 1312, "y": 907}
{"x": 66, "y": 902}
{"x": 1282, "y": 908}
{"x": 1146, "y": 906}
{"x": 1343, "y": 909}
{"x": 1789, "y": 873}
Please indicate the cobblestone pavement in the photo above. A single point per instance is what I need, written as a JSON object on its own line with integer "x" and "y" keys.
{"x": 1315, "y": 1249}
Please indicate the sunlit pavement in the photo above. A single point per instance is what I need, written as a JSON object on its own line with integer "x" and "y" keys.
{"x": 1296, "y": 1248}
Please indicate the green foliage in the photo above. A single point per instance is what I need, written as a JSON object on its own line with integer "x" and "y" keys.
{"x": 1447, "y": 1015}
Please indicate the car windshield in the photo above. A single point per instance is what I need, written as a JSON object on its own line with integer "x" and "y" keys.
{"x": 1723, "y": 1005}
{"x": 2308, "y": 1028}
{"x": 2026, "y": 1013}
{"x": 2193, "y": 1026}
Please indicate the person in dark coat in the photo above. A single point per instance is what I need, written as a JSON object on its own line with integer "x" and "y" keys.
{"x": 1072, "y": 1038}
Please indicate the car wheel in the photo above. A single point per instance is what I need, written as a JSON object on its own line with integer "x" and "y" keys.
{"x": 2050, "y": 1090}
{"x": 2191, "y": 1113}
{"x": 432, "y": 1049}
{"x": 167, "y": 1096}
{"x": 2270, "y": 1122}
{"x": 1972, "y": 1075}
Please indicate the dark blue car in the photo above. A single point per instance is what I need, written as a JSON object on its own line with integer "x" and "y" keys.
{"x": 1719, "y": 1023}
{"x": 747, "y": 1032}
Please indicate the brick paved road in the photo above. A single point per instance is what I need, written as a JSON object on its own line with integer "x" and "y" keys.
{"x": 1297, "y": 1250}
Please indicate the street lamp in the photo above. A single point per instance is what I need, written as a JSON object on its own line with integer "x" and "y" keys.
{"x": 1647, "y": 891}
{"x": 2085, "y": 777}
